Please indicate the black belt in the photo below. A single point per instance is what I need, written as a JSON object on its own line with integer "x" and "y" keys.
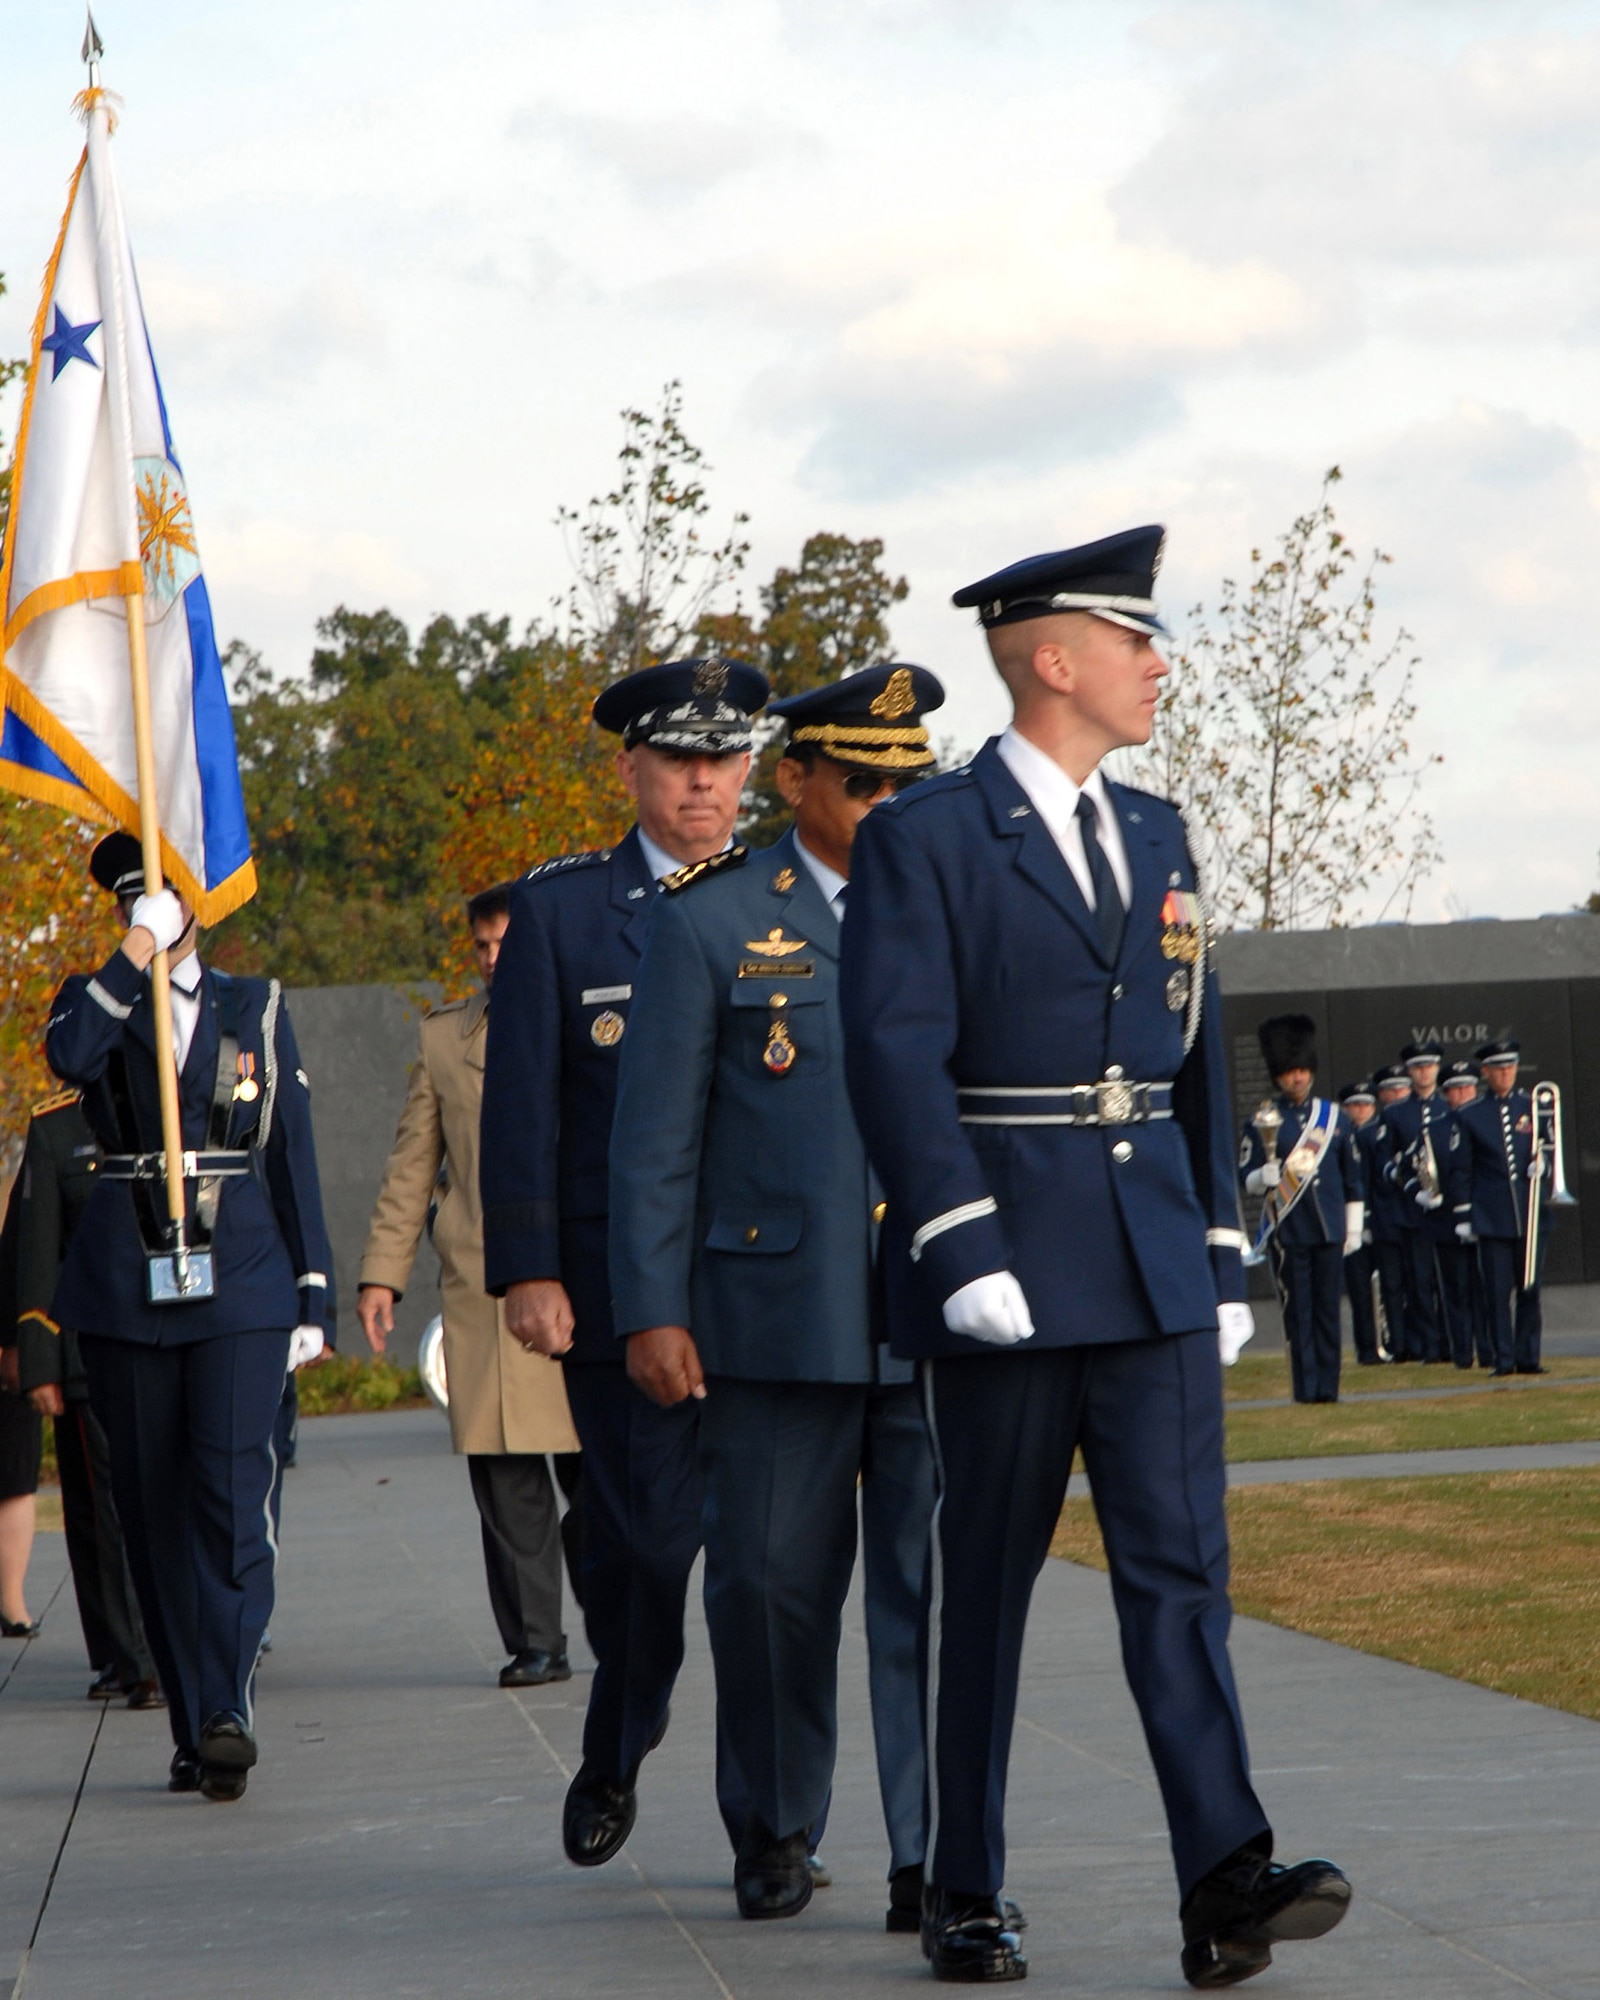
{"x": 153, "y": 1166}
{"x": 1112, "y": 1101}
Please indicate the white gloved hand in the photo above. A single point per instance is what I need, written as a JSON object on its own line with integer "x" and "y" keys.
{"x": 1266, "y": 1176}
{"x": 305, "y": 1344}
{"x": 161, "y": 915}
{"x": 1429, "y": 1201}
{"x": 1355, "y": 1214}
{"x": 1466, "y": 1233}
{"x": 991, "y": 1308}
{"x": 1236, "y": 1324}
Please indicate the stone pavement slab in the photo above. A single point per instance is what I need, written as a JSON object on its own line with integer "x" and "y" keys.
{"x": 401, "y": 1837}
{"x": 1416, "y": 1464}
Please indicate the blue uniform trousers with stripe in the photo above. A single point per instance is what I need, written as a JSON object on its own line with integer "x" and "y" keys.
{"x": 1148, "y": 1418}
{"x": 193, "y": 1468}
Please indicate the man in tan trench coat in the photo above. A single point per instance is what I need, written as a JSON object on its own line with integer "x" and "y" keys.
{"x": 508, "y": 1406}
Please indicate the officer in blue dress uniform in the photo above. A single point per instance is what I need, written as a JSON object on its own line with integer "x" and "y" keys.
{"x": 1419, "y": 1132}
{"x": 563, "y": 995}
{"x": 1461, "y": 1284}
{"x": 1387, "y": 1212}
{"x": 1318, "y": 1224}
{"x": 1034, "y": 1051}
{"x": 742, "y": 1251}
{"x": 1489, "y": 1185}
{"x": 1359, "y": 1103}
{"x": 188, "y": 1393}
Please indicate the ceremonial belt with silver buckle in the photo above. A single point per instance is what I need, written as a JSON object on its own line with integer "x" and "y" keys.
{"x": 1114, "y": 1101}
{"x": 153, "y": 1166}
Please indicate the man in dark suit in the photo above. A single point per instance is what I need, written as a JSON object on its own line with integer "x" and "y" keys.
{"x": 1490, "y": 1187}
{"x": 1034, "y": 1048}
{"x": 188, "y": 1392}
{"x": 60, "y": 1164}
{"x": 1359, "y": 1103}
{"x": 1314, "y": 1209}
{"x": 562, "y": 998}
{"x": 1385, "y": 1219}
{"x": 743, "y": 1236}
{"x": 1418, "y": 1130}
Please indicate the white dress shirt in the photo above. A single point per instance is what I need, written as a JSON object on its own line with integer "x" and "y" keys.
{"x": 828, "y": 880}
{"x": 185, "y": 982}
{"x": 1054, "y": 798}
{"x": 658, "y": 860}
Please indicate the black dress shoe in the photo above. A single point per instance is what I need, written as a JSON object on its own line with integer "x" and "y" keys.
{"x": 534, "y": 1668}
{"x": 905, "y": 1900}
{"x": 184, "y": 1772}
{"x": 106, "y": 1685}
{"x": 1235, "y": 1915}
{"x": 971, "y": 1940}
{"x": 19, "y": 1628}
{"x": 227, "y": 1756}
{"x": 771, "y": 1873}
{"x": 146, "y": 1694}
{"x": 597, "y": 1818}
{"x": 1536, "y": 1369}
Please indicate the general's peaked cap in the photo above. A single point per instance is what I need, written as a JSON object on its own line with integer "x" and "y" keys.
{"x": 696, "y": 707}
{"x": 872, "y": 719}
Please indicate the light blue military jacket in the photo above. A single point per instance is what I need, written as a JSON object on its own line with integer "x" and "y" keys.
{"x": 741, "y": 1202}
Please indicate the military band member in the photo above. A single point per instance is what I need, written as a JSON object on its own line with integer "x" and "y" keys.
{"x": 1314, "y": 1212}
{"x": 188, "y": 1392}
{"x": 60, "y": 1165}
{"x": 1359, "y": 1103}
{"x": 1419, "y": 1137}
{"x": 1461, "y": 1283}
{"x": 562, "y": 999}
{"x": 1490, "y": 1182}
{"x": 1385, "y": 1217}
{"x": 743, "y": 1237}
{"x": 1034, "y": 1050}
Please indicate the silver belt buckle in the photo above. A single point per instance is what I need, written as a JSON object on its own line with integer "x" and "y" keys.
{"x": 1114, "y": 1103}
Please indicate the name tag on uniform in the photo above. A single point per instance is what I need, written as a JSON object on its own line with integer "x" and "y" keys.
{"x": 760, "y": 968}
{"x": 597, "y": 996}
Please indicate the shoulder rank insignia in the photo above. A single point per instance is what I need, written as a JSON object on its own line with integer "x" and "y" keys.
{"x": 684, "y": 878}
{"x": 58, "y": 1100}
{"x": 1181, "y": 919}
{"x": 782, "y": 882}
{"x": 775, "y": 945}
{"x": 560, "y": 863}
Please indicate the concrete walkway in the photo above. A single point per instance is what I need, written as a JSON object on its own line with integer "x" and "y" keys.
{"x": 1415, "y": 1464}
{"x": 401, "y": 1836}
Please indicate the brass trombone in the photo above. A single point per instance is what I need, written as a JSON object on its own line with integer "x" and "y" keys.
{"x": 1546, "y": 1163}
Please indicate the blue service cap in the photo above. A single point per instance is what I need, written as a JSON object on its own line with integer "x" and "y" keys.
{"x": 1114, "y": 578}
{"x": 1357, "y": 1093}
{"x": 1492, "y": 1054}
{"x": 872, "y": 719}
{"x": 1462, "y": 1070}
{"x": 698, "y": 708}
{"x": 117, "y": 864}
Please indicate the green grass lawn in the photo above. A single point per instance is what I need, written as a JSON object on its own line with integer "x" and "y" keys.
{"x": 1492, "y": 1578}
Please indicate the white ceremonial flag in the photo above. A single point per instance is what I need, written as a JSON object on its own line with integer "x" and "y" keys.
{"x": 100, "y": 514}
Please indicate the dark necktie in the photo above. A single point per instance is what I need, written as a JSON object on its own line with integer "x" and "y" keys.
{"x": 1107, "y": 896}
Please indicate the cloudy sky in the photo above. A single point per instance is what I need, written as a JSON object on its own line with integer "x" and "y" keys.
{"x": 980, "y": 276}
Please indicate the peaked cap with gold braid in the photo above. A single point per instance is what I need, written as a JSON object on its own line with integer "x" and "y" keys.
{"x": 871, "y": 720}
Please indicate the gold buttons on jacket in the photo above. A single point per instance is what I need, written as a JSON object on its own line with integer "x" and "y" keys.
{"x": 880, "y": 1211}
{"x": 751, "y": 1234}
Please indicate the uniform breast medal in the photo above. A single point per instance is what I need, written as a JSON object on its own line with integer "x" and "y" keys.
{"x": 247, "y": 1090}
{"x": 780, "y": 1052}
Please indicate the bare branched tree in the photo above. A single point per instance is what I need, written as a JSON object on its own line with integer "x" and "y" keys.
{"x": 1283, "y": 735}
{"x": 645, "y": 572}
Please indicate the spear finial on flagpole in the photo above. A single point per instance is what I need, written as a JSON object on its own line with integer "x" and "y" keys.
{"x": 93, "y": 48}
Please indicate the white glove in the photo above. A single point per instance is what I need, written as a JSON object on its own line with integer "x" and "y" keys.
{"x": 305, "y": 1344}
{"x": 1235, "y": 1325}
{"x": 991, "y": 1308}
{"x": 161, "y": 915}
{"x": 1267, "y": 1175}
{"x": 1466, "y": 1232}
{"x": 1355, "y": 1214}
{"x": 1429, "y": 1201}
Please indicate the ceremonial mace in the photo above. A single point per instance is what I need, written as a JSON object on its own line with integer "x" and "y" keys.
{"x": 1268, "y": 1121}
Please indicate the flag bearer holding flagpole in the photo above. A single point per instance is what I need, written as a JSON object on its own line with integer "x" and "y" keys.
{"x": 200, "y": 1273}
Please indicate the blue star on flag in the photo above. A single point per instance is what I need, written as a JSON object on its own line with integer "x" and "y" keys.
{"x": 67, "y": 342}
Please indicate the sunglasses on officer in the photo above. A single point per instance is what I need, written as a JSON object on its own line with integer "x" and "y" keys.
{"x": 868, "y": 784}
